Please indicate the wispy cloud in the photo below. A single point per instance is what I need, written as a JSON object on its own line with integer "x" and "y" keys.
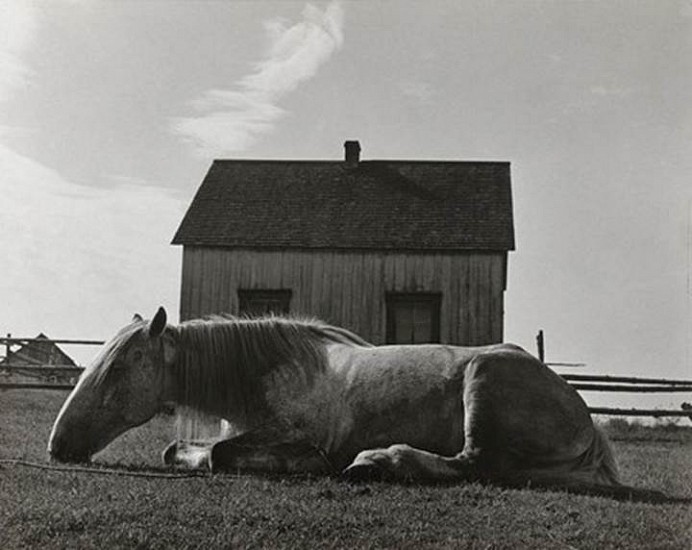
{"x": 616, "y": 91}
{"x": 75, "y": 258}
{"x": 231, "y": 120}
{"x": 82, "y": 259}
{"x": 20, "y": 21}
{"x": 686, "y": 8}
{"x": 417, "y": 89}
{"x": 18, "y": 27}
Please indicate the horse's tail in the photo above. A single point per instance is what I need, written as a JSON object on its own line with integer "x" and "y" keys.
{"x": 595, "y": 472}
{"x": 608, "y": 476}
{"x": 601, "y": 455}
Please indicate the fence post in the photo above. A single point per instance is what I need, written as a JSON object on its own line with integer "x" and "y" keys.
{"x": 7, "y": 348}
{"x": 540, "y": 342}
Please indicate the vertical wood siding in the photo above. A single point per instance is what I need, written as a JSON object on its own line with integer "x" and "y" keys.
{"x": 349, "y": 288}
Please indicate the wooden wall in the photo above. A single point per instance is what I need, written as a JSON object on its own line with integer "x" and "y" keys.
{"x": 348, "y": 288}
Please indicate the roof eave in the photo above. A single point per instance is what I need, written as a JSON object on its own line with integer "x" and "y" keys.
{"x": 346, "y": 248}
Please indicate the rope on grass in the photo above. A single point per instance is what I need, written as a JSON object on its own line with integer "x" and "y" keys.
{"x": 131, "y": 473}
{"x": 102, "y": 471}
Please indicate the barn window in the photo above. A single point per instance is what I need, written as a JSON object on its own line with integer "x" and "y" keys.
{"x": 256, "y": 303}
{"x": 413, "y": 318}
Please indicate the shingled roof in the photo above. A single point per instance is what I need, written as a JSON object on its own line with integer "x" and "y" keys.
{"x": 382, "y": 205}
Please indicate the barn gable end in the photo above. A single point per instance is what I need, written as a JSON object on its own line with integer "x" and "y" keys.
{"x": 38, "y": 351}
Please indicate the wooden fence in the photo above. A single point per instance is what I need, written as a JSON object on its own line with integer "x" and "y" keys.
{"x": 24, "y": 371}
{"x": 631, "y": 384}
{"x": 580, "y": 382}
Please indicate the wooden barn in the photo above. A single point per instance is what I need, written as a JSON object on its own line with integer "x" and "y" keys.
{"x": 37, "y": 358}
{"x": 39, "y": 351}
{"x": 397, "y": 251}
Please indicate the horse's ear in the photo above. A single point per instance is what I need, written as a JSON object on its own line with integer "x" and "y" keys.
{"x": 137, "y": 318}
{"x": 158, "y": 323}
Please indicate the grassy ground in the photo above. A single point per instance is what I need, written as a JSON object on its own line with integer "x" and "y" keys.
{"x": 48, "y": 509}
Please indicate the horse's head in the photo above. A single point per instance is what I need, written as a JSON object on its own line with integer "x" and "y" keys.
{"x": 126, "y": 385}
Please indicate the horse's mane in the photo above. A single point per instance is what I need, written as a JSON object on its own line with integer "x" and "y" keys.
{"x": 222, "y": 360}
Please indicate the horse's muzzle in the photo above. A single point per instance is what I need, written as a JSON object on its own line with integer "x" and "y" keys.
{"x": 60, "y": 453}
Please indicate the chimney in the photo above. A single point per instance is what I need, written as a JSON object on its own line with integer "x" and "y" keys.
{"x": 352, "y": 153}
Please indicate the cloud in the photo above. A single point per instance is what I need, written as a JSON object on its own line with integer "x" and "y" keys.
{"x": 419, "y": 90}
{"x": 79, "y": 259}
{"x": 686, "y": 8}
{"x": 20, "y": 21}
{"x": 234, "y": 119}
{"x": 75, "y": 259}
{"x": 18, "y": 27}
{"x": 612, "y": 91}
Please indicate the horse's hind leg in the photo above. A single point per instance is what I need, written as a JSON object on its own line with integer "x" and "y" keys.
{"x": 486, "y": 451}
{"x": 405, "y": 463}
{"x": 482, "y": 457}
{"x": 520, "y": 417}
{"x": 243, "y": 454}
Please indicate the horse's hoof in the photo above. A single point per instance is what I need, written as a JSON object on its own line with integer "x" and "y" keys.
{"x": 169, "y": 454}
{"x": 363, "y": 472}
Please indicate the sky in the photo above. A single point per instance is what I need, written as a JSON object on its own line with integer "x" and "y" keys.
{"x": 112, "y": 111}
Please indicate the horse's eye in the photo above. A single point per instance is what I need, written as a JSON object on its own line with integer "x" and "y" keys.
{"x": 110, "y": 394}
{"x": 137, "y": 356}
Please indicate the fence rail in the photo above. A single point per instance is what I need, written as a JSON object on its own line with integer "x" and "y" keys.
{"x": 28, "y": 366}
{"x": 580, "y": 382}
{"x": 634, "y": 388}
{"x": 35, "y": 386}
{"x": 31, "y": 369}
{"x": 620, "y": 384}
{"x": 657, "y": 413}
{"x": 631, "y": 384}
{"x": 608, "y": 411}
{"x": 624, "y": 379}
{"x": 19, "y": 341}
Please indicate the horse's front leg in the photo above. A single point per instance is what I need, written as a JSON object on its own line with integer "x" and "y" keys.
{"x": 243, "y": 453}
{"x": 187, "y": 455}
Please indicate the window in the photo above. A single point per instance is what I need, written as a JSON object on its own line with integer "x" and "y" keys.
{"x": 256, "y": 303}
{"x": 413, "y": 318}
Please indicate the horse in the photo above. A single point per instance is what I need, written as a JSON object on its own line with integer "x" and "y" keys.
{"x": 302, "y": 396}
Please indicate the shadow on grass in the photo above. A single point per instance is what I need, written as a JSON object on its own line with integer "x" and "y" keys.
{"x": 620, "y": 493}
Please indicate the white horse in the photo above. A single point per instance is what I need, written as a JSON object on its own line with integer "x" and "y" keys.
{"x": 303, "y": 396}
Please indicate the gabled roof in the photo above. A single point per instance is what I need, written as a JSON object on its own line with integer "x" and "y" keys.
{"x": 38, "y": 351}
{"x": 383, "y": 205}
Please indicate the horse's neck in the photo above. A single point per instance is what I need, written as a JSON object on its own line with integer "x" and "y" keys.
{"x": 221, "y": 364}
{"x": 212, "y": 374}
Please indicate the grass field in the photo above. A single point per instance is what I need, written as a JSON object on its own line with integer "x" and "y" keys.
{"x": 58, "y": 509}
